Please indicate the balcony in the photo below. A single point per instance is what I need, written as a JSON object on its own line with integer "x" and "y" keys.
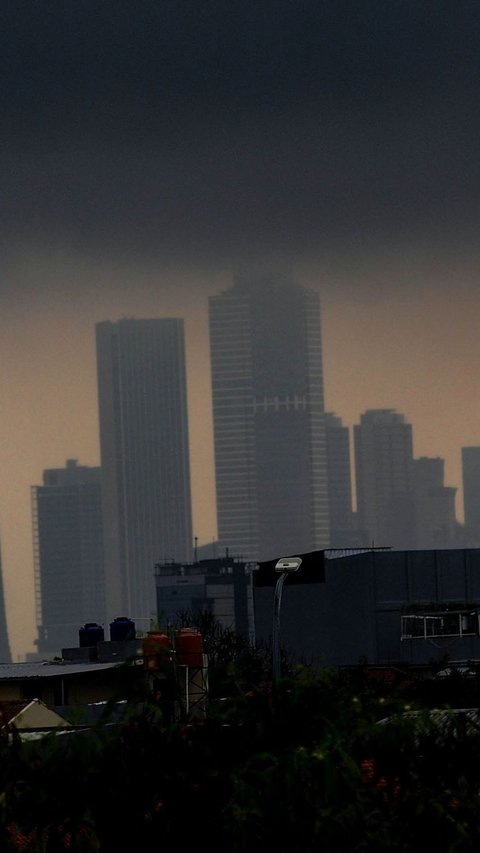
{"x": 429, "y": 624}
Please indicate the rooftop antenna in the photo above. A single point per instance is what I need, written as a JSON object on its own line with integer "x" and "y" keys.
{"x": 195, "y": 555}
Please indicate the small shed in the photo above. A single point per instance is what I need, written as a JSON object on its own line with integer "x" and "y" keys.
{"x": 30, "y": 718}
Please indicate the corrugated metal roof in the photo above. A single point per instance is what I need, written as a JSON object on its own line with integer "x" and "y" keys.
{"x": 50, "y": 669}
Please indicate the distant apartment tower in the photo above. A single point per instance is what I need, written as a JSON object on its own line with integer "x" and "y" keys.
{"x": 268, "y": 416}
{"x": 68, "y": 554}
{"x": 383, "y": 444}
{"x": 471, "y": 493}
{"x": 339, "y": 478}
{"x": 436, "y": 524}
{"x": 142, "y": 395}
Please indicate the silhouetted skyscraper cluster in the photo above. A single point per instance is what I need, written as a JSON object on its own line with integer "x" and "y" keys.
{"x": 288, "y": 476}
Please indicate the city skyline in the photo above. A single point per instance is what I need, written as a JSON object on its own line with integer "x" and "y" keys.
{"x": 148, "y": 150}
{"x": 86, "y": 444}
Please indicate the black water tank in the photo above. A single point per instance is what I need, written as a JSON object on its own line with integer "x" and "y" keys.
{"x": 91, "y": 634}
{"x": 122, "y": 629}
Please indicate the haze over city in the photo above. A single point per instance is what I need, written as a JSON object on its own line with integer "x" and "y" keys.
{"x": 147, "y": 150}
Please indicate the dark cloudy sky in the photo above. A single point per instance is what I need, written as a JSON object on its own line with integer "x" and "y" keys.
{"x": 208, "y": 128}
{"x": 146, "y": 147}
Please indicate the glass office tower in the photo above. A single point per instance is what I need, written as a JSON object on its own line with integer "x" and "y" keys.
{"x": 68, "y": 554}
{"x": 142, "y": 395}
{"x": 268, "y": 416}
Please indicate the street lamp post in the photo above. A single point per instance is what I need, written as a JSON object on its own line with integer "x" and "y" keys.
{"x": 285, "y": 566}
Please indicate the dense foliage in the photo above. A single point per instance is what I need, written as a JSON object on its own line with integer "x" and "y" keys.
{"x": 325, "y": 760}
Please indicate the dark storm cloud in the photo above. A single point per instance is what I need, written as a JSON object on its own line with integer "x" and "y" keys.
{"x": 66, "y": 60}
{"x": 177, "y": 126}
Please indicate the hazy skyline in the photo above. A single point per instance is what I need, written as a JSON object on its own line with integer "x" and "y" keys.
{"x": 147, "y": 149}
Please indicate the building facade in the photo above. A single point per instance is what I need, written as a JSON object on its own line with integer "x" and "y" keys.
{"x": 436, "y": 523}
{"x": 471, "y": 493}
{"x": 142, "y": 395}
{"x": 5, "y": 655}
{"x": 383, "y": 444}
{"x": 268, "y": 416}
{"x": 358, "y": 612}
{"x": 339, "y": 476}
{"x": 221, "y": 586}
{"x": 68, "y": 554}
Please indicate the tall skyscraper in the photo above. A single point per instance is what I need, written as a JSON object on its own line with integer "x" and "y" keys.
{"x": 5, "y": 656}
{"x": 383, "y": 467}
{"x": 434, "y": 504}
{"x": 339, "y": 482}
{"x": 268, "y": 416}
{"x": 142, "y": 394}
{"x": 471, "y": 493}
{"x": 68, "y": 554}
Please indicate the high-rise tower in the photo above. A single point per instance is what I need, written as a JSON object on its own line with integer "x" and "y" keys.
{"x": 5, "y": 656}
{"x": 383, "y": 466}
{"x": 434, "y": 504}
{"x": 142, "y": 397}
{"x": 68, "y": 554}
{"x": 268, "y": 416}
{"x": 471, "y": 493}
{"x": 339, "y": 482}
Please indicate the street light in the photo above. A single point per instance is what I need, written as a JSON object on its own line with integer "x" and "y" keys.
{"x": 285, "y": 566}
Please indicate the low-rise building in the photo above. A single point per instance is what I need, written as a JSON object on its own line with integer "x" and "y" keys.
{"x": 357, "y": 612}
{"x": 60, "y": 682}
{"x": 220, "y": 586}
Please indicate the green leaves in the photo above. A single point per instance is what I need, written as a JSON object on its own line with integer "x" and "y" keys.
{"x": 326, "y": 759}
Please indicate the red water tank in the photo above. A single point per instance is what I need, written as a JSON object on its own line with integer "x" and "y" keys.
{"x": 156, "y": 650}
{"x": 189, "y": 647}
